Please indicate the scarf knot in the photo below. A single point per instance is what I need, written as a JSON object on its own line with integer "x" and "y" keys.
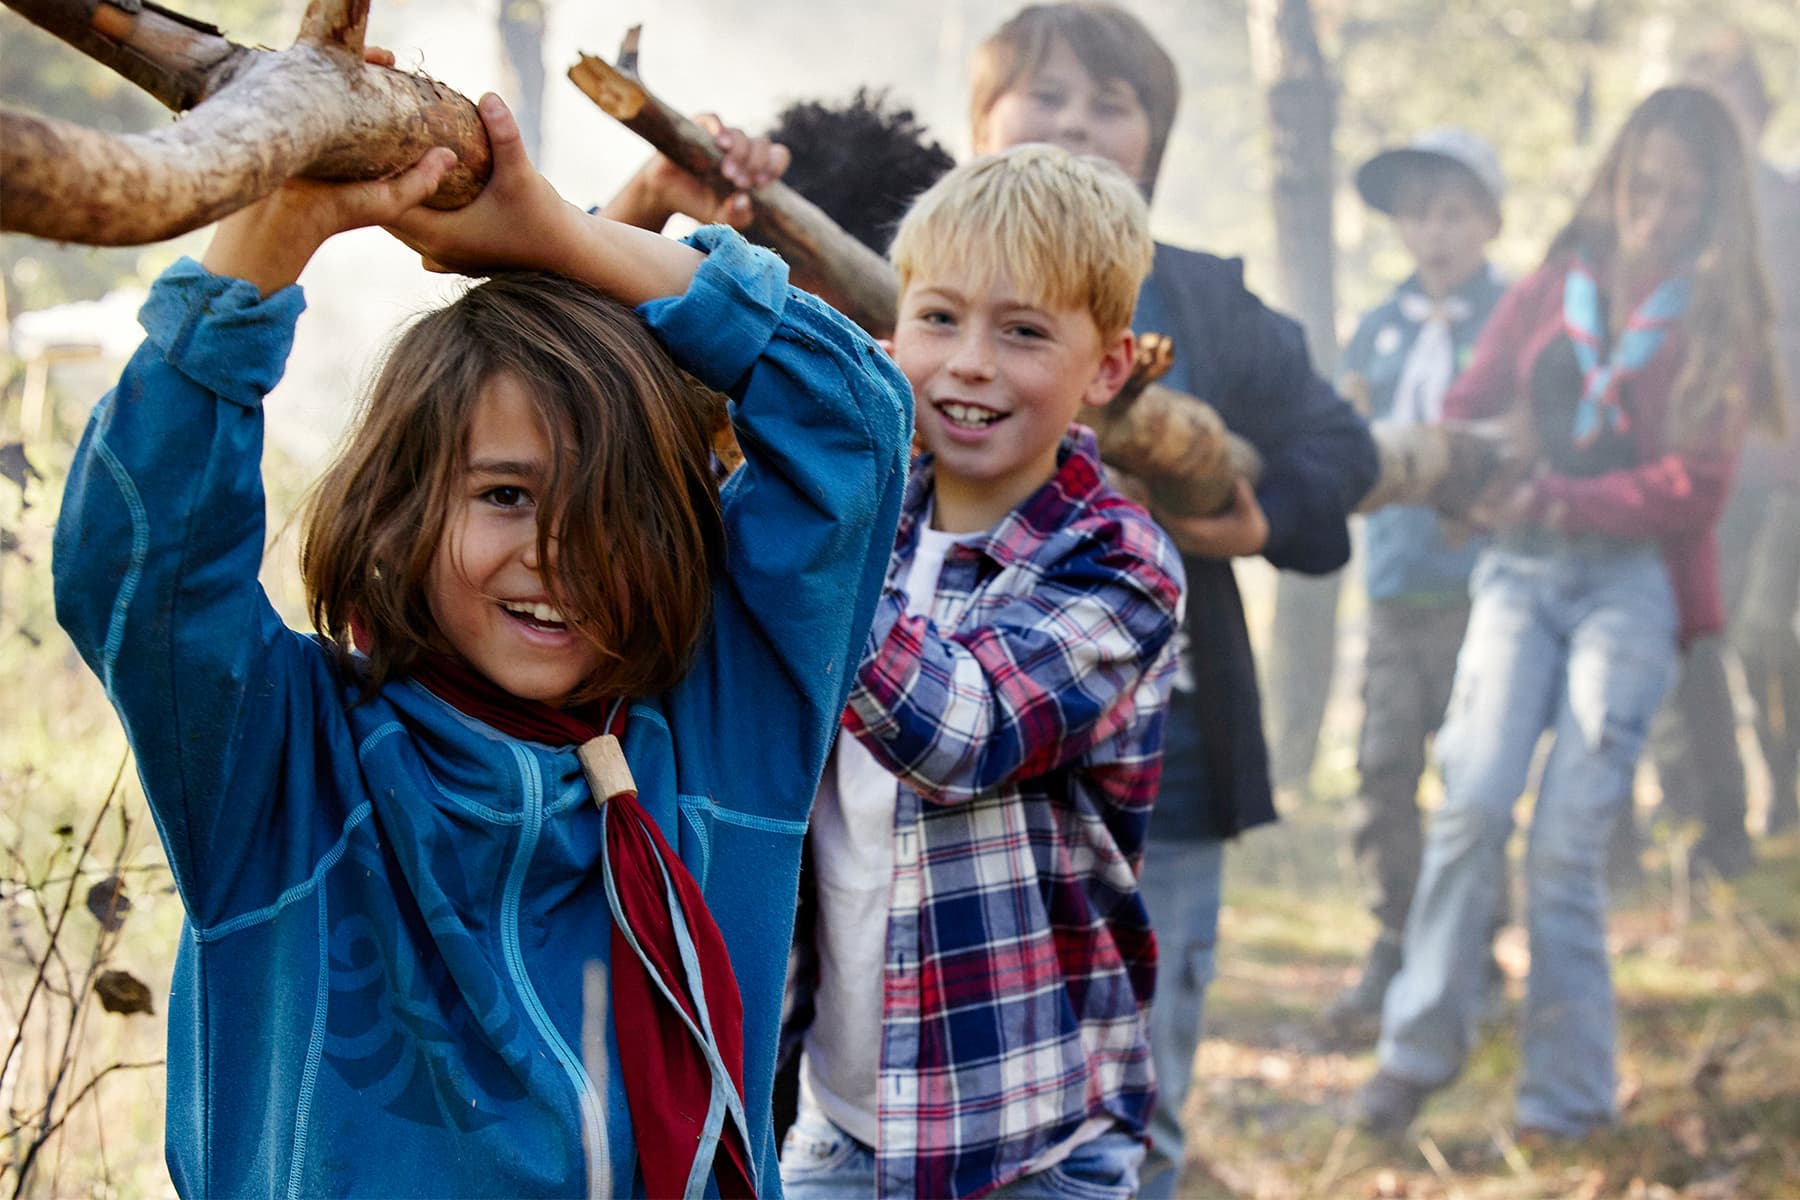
{"x": 1431, "y": 362}
{"x": 1605, "y": 368}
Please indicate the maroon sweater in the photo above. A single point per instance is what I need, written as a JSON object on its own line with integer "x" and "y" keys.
{"x": 1672, "y": 497}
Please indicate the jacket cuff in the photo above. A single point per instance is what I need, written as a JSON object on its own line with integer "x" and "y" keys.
{"x": 720, "y": 326}
{"x": 221, "y": 332}
{"x": 1283, "y": 515}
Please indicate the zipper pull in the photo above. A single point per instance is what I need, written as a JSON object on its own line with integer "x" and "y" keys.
{"x": 608, "y": 774}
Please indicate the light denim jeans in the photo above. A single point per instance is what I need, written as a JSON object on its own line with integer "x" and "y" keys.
{"x": 1181, "y": 883}
{"x": 819, "y": 1161}
{"x": 1580, "y": 641}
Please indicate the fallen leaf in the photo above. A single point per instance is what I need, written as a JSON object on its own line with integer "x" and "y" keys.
{"x": 15, "y": 466}
{"x": 121, "y": 992}
{"x": 108, "y": 903}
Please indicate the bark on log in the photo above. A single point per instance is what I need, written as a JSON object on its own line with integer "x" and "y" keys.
{"x": 825, "y": 259}
{"x": 257, "y": 119}
{"x": 1176, "y": 446}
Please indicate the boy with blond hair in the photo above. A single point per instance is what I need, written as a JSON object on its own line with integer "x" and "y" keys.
{"x": 984, "y": 959}
{"x": 1093, "y": 79}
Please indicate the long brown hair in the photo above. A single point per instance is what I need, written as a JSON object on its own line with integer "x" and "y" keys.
{"x": 631, "y": 502}
{"x": 1729, "y": 317}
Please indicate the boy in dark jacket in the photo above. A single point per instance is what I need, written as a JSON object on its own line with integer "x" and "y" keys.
{"x": 1091, "y": 78}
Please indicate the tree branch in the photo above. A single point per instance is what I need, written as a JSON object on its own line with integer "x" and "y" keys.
{"x": 853, "y": 277}
{"x": 257, "y": 119}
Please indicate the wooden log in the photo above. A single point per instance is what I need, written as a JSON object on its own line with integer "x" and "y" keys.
{"x": 824, "y": 259}
{"x": 1446, "y": 467}
{"x": 1176, "y": 446}
{"x": 256, "y": 118}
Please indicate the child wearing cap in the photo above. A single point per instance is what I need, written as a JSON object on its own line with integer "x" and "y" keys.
{"x": 1443, "y": 192}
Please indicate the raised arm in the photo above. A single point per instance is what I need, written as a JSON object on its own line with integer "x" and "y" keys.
{"x": 160, "y": 537}
{"x": 1037, "y": 685}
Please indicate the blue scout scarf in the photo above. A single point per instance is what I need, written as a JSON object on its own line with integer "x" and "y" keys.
{"x": 1637, "y": 344}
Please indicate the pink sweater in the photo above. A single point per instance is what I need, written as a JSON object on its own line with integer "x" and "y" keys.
{"x": 1671, "y": 497}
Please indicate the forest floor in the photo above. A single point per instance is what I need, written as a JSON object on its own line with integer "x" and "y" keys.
{"x": 1708, "y": 984}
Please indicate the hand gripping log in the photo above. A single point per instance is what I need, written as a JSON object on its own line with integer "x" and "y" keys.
{"x": 255, "y": 118}
{"x": 1174, "y": 443}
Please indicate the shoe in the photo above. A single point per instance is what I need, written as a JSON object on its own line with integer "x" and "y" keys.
{"x": 1355, "y": 1016}
{"x": 1387, "y": 1104}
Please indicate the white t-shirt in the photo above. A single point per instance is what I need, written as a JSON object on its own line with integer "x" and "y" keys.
{"x": 853, "y": 862}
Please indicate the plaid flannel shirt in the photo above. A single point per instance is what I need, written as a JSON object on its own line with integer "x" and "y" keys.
{"x": 1024, "y": 723}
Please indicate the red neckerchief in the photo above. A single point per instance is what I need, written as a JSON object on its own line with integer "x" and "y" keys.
{"x": 668, "y": 1084}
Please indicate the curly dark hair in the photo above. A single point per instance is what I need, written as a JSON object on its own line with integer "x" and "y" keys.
{"x": 863, "y": 162}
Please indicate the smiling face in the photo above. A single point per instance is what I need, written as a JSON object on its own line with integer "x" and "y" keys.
{"x": 1660, "y": 203}
{"x": 486, "y": 586}
{"x": 1061, "y": 103}
{"x": 997, "y": 378}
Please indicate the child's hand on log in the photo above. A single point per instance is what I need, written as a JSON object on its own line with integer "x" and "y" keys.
{"x": 270, "y": 242}
{"x": 1238, "y": 532}
{"x": 519, "y": 222}
{"x": 662, "y": 187}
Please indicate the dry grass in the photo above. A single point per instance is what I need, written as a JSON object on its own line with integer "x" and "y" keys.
{"x": 1709, "y": 1005}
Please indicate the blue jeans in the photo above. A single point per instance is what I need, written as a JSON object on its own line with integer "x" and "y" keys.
{"x": 1180, "y": 884}
{"x": 819, "y": 1161}
{"x": 1581, "y": 643}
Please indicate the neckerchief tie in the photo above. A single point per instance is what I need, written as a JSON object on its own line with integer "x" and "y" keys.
{"x": 1636, "y": 345}
{"x": 675, "y": 1004}
{"x": 1431, "y": 363}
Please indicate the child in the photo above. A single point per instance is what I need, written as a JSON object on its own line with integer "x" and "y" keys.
{"x": 1638, "y": 354}
{"x": 1089, "y": 77}
{"x": 404, "y": 903}
{"x": 1443, "y": 192}
{"x": 984, "y": 958}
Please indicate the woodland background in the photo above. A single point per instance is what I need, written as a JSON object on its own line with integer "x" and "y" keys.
{"x": 1709, "y": 975}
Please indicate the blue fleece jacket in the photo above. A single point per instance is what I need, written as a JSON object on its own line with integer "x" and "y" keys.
{"x": 392, "y": 908}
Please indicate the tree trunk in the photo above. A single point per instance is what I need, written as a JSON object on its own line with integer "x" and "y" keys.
{"x": 1302, "y": 115}
{"x": 522, "y": 39}
{"x": 1302, "y": 99}
{"x": 257, "y": 119}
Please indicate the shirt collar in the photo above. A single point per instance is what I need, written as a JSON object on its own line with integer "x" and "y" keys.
{"x": 1020, "y": 533}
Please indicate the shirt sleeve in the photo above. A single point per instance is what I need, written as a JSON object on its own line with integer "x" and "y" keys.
{"x": 1675, "y": 494}
{"x": 824, "y": 419}
{"x": 157, "y": 550}
{"x": 1318, "y": 457}
{"x": 1041, "y": 681}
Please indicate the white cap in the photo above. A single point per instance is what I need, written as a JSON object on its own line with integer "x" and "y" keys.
{"x": 1379, "y": 178}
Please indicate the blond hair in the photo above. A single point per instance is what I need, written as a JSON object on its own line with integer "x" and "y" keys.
{"x": 1066, "y": 231}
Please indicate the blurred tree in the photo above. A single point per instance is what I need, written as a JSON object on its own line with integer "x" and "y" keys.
{"x": 522, "y": 41}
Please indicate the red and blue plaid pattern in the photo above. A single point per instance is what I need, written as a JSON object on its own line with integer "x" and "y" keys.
{"x": 1024, "y": 721}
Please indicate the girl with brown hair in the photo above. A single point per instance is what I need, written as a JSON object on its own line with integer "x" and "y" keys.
{"x": 489, "y": 885}
{"x": 1637, "y": 356}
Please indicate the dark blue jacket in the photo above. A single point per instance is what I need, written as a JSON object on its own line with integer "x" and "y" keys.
{"x": 1251, "y": 364}
{"x": 391, "y": 906}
